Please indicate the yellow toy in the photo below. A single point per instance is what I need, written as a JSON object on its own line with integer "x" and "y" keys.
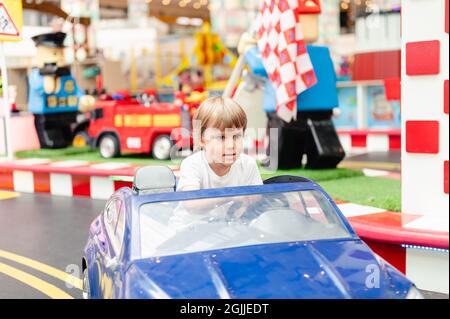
{"x": 209, "y": 55}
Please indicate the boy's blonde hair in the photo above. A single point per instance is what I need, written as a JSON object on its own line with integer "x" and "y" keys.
{"x": 218, "y": 112}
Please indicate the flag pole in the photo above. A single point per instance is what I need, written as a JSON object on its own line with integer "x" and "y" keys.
{"x": 235, "y": 75}
{"x": 246, "y": 42}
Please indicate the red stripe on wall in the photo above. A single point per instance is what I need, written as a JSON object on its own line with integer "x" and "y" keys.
{"x": 377, "y": 65}
{"x": 393, "y": 254}
{"x": 6, "y": 179}
{"x": 359, "y": 140}
{"x": 81, "y": 185}
{"x": 395, "y": 142}
{"x": 41, "y": 182}
{"x": 120, "y": 184}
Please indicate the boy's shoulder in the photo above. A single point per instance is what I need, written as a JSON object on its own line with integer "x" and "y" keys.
{"x": 194, "y": 158}
{"x": 247, "y": 159}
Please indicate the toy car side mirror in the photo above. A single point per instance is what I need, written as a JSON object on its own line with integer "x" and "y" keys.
{"x": 153, "y": 179}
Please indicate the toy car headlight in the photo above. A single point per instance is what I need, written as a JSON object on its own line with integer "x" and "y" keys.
{"x": 414, "y": 293}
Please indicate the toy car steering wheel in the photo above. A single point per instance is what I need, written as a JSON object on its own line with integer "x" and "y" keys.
{"x": 231, "y": 212}
{"x": 257, "y": 208}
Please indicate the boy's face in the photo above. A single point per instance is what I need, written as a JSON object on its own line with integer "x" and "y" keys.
{"x": 223, "y": 146}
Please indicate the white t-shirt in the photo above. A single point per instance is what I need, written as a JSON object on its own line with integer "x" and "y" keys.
{"x": 196, "y": 172}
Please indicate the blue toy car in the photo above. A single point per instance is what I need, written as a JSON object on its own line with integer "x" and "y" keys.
{"x": 284, "y": 239}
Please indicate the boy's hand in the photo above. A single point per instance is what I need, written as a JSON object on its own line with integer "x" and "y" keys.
{"x": 245, "y": 203}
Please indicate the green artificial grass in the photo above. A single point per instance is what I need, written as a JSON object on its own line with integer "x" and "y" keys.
{"x": 371, "y": 191}
{"x": 351, "y": 186}
{"x": 52, "y": 153}
{"x": 314, "y": 175}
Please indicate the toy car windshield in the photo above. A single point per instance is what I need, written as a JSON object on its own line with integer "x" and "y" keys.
{"x": 178, "y": 227}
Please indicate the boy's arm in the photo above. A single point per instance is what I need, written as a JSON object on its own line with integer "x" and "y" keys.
{"x": 202, "y": 206}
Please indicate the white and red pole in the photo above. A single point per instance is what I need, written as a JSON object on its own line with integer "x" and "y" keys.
{"x": 425, "y": 132}
{"x": 425, "y": 129}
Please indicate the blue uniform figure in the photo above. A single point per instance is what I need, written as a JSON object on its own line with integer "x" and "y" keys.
{"x": 64, "y": 100}
{"x": 54, "y": 95}
{"x": 313, "y": 132}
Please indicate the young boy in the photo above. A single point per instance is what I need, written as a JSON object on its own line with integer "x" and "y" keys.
{"x": 219, "y": 127}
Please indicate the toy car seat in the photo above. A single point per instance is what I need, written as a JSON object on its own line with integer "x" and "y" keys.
{"x": 153, "y": 179}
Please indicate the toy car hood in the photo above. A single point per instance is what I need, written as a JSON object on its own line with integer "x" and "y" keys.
{"x": 322, "y": 269}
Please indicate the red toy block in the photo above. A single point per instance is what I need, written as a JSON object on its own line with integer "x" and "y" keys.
{"x": 446, "y": 96}
{"x": 422, "y": 137}
{"x": 446, "y": 177}
{"x": 423, "y": 58}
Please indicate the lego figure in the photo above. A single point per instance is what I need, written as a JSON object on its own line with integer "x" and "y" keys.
{"x": 54, "y": 96}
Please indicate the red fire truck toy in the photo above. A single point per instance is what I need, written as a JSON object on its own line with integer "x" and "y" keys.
{"x": 128, "y": 125}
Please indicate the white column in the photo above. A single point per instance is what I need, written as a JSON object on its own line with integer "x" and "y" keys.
{"x": 423, "y": 100}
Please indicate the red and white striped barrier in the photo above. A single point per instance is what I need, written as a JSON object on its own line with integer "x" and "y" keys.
{"x": 366, "y": 141}
{"x": 356, "y": 141}
{"x": 66, "y": 178}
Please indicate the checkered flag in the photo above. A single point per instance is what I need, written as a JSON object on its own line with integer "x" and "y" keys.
{"x": 284, "y": 54}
